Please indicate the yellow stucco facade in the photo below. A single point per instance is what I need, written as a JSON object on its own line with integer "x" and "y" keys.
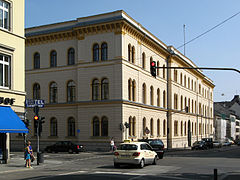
{"x": 12, "y": 57}
{"x": 133, "y": 95}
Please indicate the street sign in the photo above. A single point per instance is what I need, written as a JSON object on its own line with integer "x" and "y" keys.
{"x": 34, "y": 102}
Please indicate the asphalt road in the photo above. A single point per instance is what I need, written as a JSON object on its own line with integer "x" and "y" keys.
{"x": 175, "y": 165}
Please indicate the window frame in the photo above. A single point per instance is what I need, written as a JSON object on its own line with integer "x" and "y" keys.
{"x": 6, "y": 65}
{"x": 5, "y": 9}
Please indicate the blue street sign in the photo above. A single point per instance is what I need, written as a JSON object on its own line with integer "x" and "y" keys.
{"x": 34, "y": 102}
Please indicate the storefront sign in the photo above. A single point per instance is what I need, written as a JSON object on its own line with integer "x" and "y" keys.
{"x": 34, "y": 102}
{"x": 7, "y": 101}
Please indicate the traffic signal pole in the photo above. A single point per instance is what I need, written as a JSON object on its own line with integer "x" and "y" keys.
{"x": 169, "y": 109}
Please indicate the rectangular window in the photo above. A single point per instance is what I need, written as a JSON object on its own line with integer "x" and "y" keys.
{"x": 5, "y": 71}
{"x": 4, "y": 15}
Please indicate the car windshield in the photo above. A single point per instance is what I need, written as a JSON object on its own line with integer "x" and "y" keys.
{"x": 199, "y": 142}
{"x": 156, "y": 142}
{"x": 128, "y": 147}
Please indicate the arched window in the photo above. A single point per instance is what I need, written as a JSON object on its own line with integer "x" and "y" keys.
{"x": 144, "y": 125}
{"x": 71, "y": 126}
{"x": 53, "y": 92}
{"x": 104, "y": 126}
{"x": 104, "y": 52}
{"x": 151, "y": 95}
{"x": 36, "y": 61}
{"x": 95, "y": 52}
{"x": 71, "y": 91}
{"x": 134, "y": 126}
{"x": 95, "y": 89}
{"x": 96, "y": 125}
{"x": 188, "y": 83}
{"x": 134, "y": 90}
{"x": 185, "y": 81}
{"x": 181, "y": 79}
{"x": 53, "y": 127}
{"x": 192, "y": 106}
{"x": 129, "y": 53}
{"x": 189, "y": 104}
{"x": 158, "y": 97}
{"x": 164, "y": 99}
{"x": 71, "y": 56}
{"x": 53, "y": 59}
{"x": 175, "y": 75}
{"x": 130, "y": 129}
{"x": 175, "y": 101}
{"x": 158, "y": 127}
{"x": 129, "y": 89}
{"x": 105, "y": 89}
{"x": 185, "y": 128}
{"x": 133, "y": 54}
{"x": 36, "y": 91}
{"x": 144, "y": 93}
{"x": 143, "y": 60}
{"x": 151, "y": 127}
{"x": 181, "y": 103}
{"x": 164, "y": 127}
{"x": 175, "y": 128}
{"x": 164, "y": 72}
{"x": 181, "y": 128}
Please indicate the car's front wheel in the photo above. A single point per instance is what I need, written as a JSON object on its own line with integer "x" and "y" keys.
{"x": 142, "y": 163}
{"x": 155, "y": 161}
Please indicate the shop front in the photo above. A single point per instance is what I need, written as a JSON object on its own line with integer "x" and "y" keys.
{"x": 9, "y": 123}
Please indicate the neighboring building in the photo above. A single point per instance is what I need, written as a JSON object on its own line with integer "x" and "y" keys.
{"x": 12, "y": 76}
{"x": 228, "y": 112}
{"x": 94, "y": 75}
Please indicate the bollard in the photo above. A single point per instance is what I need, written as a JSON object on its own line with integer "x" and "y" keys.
{"x": 215, "y": 174}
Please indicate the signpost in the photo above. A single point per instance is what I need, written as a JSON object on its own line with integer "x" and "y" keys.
{"x": 36, "y": 104}
{"x": 31, "y": 103}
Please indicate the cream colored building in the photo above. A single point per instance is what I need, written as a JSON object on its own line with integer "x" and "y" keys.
{"x": 94, "y": 75}
{"x": 12, "y": 65}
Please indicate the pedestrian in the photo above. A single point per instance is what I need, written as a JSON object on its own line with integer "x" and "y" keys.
{"x": 28, "y": 154}
{"x": 112, "y": 144}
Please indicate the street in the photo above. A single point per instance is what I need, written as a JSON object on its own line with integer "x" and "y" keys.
{"x": 96, "y": 165}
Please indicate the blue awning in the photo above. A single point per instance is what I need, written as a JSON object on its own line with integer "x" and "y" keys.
{"x": 10, "y": 122}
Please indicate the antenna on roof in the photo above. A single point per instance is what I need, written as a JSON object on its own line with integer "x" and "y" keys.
{"x": 184, "y": 42}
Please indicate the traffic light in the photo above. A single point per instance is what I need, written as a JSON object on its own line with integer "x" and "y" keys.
{"x": 40, "y": 124}
{"x": 127, "y": 125}
{"x": 35, "y": 118}
{"x": 153, "y": 68}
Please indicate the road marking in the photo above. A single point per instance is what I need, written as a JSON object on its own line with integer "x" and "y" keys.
{"x": 118, "y": 172}
{"x": 75, "y": 172}
{"x": 15, "y": 170}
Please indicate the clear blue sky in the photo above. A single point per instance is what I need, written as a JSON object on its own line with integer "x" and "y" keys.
{"x": 165, "y": 19}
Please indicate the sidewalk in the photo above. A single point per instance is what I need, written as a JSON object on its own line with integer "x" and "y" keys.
{"x": 15, "y": 163}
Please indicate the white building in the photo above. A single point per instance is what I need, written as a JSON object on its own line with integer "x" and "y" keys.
{"x": 94, "y": 74}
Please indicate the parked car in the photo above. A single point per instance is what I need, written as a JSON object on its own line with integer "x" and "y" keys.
{"x": 134, "y": 153}
{"x": 65, "y": 146}
{"x": 227, "y": 143}
{"x": 217, "y": 144}
{"x": 199, "y": 145}
{"x": 209, "y": 142}
{"x": 157, "y": 145}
